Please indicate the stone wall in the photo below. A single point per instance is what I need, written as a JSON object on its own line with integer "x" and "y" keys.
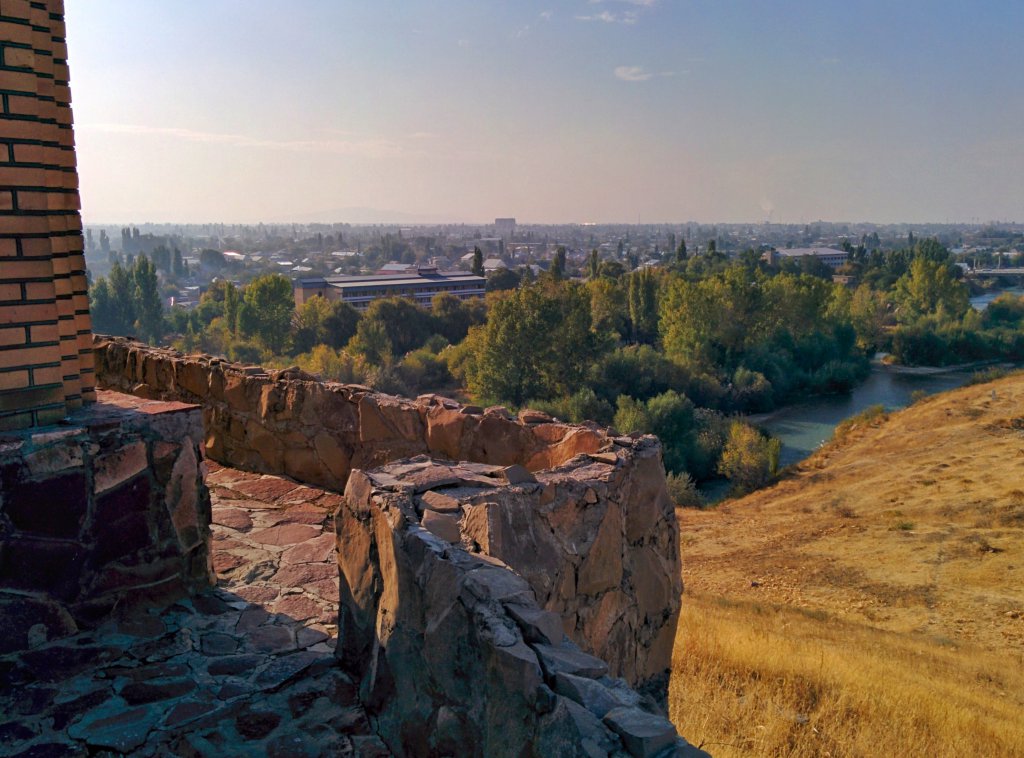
{"x": 455, "y": 653}
{"x": 286, "y": 422}
{"x": 99, "y": 516}
{"x": 577, "y": 516}
{"x": 595, "y": 538}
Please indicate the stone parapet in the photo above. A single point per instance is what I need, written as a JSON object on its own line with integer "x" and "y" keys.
{"x": 100, "y": 515}
{"x": 459, "y": 654}
{"x": 289, "y": 423}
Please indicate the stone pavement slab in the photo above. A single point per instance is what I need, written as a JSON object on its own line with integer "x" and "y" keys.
{"x": 244, "y": 669}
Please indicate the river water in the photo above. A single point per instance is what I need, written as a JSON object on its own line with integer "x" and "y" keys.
{"x": 981, "y": 301}
{"x": 802, "y": 427}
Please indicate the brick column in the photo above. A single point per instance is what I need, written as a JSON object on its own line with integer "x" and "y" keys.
{"x": 46, "y": 362}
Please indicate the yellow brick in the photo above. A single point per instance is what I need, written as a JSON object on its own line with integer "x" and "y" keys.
{"x": 18, "y": 33}
{"x": 16, "y": 8}
{"x": 47, "y": 375}
{"x": 21, "y": 177}
{"x": 25, "y": 105}
{"x": 33, "y": 201}
{"x": 39, "y": 291}
{"x": 20, "y": 270}
{"x": 24, "y": 225}
{"x": 19, "y": 56}
{"x": 50, "y": 416}
{"x": 31, "y": 356}
{"x": 29, "y": 154}
{"x": 12, "y": 380}
{"x": 18, "y": 81}
{"x": 43, "y": 333}
{"x": 12, "y": 336}
{"x": 18, "y": 421}
{"x": 35, "y": 246}
{"x": 19, "y": 314}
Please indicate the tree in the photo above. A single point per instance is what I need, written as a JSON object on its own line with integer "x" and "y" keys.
{"x": 867, "y": 314}
{"x": 537, "y": 343}
{"x": 478, "y": 262}
{"x": 681, "y": 252}
{"x": 372, "y": 343}
{"x": 341, "y": 324}
{"x": 101, "y": 307}
{"x": 149, "y": 308}
{"x": 594, "y": 263}
{"x": 122, "y": 299}
{"x": 452, "y": 318}
{"x": 929, "y": 289}
{"x": 503, "y": 279}
{"x": 269, "y": 305}
{"x": 178, "y": 265}
{"x": 642, "y": 302}
{"x": 406, "y": 324}
{"x": 211, "y": 259}
{"x": 308, "y": 328}
{"x": 162, "y": 258}
{"x": 749, "y": 459}
{"x": 608, "y": 306}
{"x": 558, "y": 264}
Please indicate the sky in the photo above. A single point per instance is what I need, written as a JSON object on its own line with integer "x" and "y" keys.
{"x": 559, "y": 111}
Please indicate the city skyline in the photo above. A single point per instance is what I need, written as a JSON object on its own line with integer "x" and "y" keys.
{"x": 571, "y": 111}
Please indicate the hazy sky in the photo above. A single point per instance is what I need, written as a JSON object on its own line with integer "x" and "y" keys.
{"x": 556, "y": 111}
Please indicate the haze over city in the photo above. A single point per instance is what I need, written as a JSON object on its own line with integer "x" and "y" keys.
{"x": 555, "y": 111}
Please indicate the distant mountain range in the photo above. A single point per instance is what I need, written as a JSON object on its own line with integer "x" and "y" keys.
{"x": 360, "y": 215}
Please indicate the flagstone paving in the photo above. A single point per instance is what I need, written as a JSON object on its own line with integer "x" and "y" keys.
{"x": 246, "y": 669}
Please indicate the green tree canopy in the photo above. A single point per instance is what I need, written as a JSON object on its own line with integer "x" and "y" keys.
{"x": 929, "y": 289}
{"x": 269, "y": 305}
{"x": 537, "y": 343}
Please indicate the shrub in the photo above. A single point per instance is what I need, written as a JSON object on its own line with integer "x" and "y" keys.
{"x": 683, "y": 491}
{"x": 869, "y": 416}
{"x": 750, "y": 459}
{"x": 423, "y": 371}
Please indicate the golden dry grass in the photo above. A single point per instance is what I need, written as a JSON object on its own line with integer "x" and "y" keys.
{"x": 872, "y": 603}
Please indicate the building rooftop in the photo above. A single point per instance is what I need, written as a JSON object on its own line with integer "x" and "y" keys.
{"x": 800, "y": 252}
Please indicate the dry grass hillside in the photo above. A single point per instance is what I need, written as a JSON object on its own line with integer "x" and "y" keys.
{"x": 872, "y": 602}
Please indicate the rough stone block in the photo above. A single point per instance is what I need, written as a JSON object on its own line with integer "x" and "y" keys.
{"x": 443, "y": 525}
{"x": 53, "y": 507}
{"x": 643, "y": 734}
{"x": 537, "y": 625}
{"x": 119, "y": 466}
{"x": 568, "y": 659}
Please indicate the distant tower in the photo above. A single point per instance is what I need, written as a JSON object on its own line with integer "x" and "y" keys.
{"x": 505, "y": 227}
{"x": 46, "y": 359}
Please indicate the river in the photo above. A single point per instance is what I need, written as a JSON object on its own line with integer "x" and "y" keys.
{"x": 981, "y": 301}
{"x": 802, "y": 427}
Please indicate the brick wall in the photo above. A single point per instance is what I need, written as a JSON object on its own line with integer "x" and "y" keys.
{"x": 46, "y": 363}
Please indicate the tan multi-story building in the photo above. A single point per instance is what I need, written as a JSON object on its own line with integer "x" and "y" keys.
{"x": 421, "y": 286}
{"x": 829, "y": 256}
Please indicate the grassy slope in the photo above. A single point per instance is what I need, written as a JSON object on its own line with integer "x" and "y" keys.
{"x": 872, "y": 603}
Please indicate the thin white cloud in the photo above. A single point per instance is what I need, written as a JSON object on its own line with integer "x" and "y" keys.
{"x": 641, "y": 3}
{"x": 632, "y": 73}
{"x": 370, "y": 147}
{"x": 546, "y": 15}
{"x": 607, "y": 17}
